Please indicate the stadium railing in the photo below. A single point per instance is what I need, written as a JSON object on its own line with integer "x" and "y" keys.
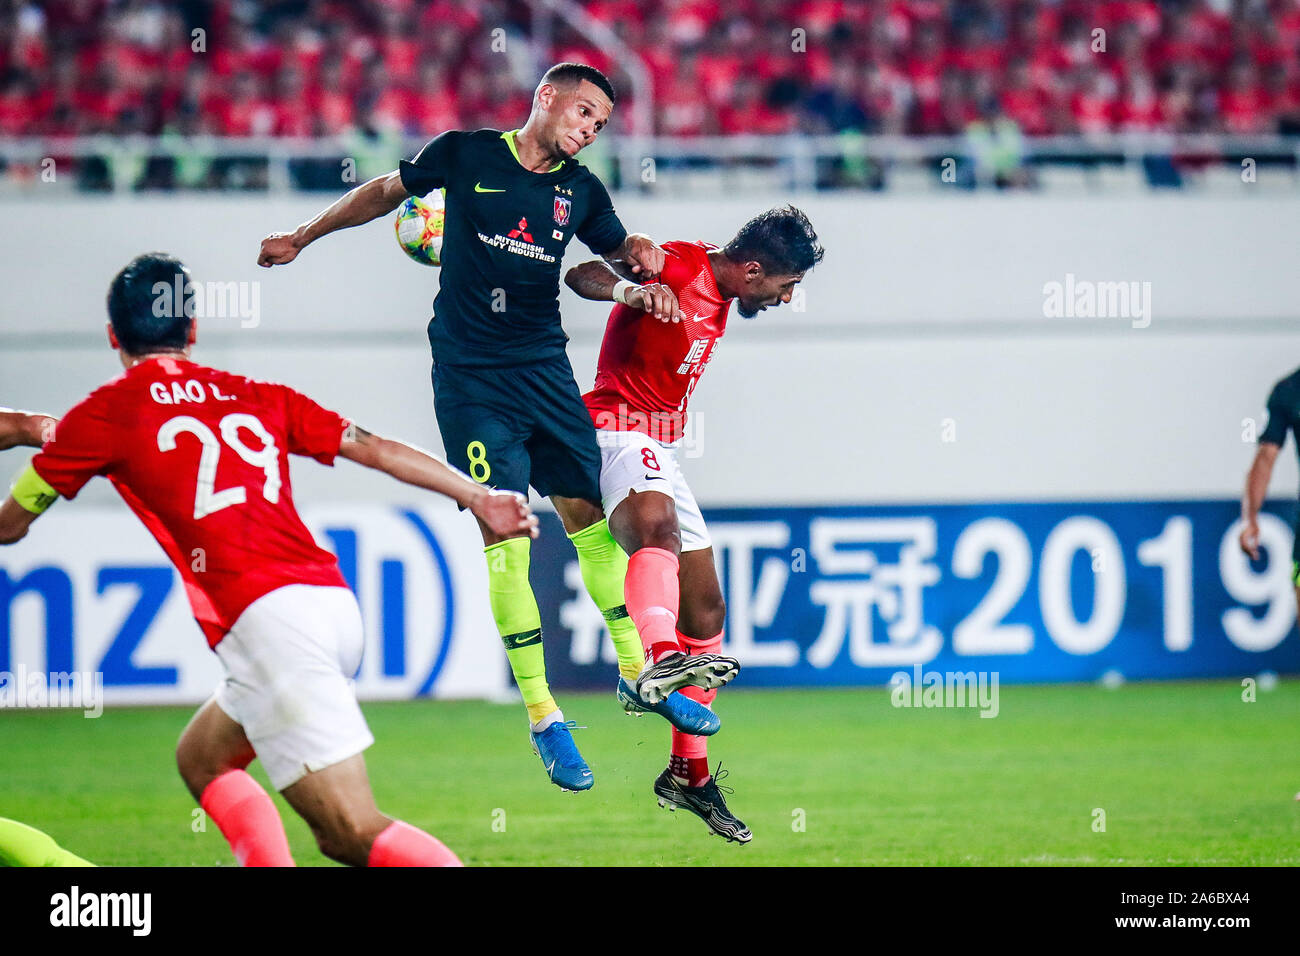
{"x": 675, "y": 166}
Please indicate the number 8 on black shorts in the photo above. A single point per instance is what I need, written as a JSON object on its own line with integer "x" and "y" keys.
{"x": 522, "y": 425}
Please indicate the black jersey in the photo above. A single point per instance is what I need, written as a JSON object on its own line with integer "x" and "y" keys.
{"x": 505, "y": 233}
{"x": 1283, "y": 411}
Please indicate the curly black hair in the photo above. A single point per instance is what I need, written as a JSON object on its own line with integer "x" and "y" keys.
{"x": 781, "y": 240}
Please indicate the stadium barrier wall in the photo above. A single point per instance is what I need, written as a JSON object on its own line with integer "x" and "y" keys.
{"x": 890, "y": 259}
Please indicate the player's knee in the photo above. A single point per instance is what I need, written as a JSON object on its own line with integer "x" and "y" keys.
{"x": 659, "y": 532}
{"x": 577, "y": 514}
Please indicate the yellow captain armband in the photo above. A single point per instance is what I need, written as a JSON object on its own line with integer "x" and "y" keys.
{"x": 32, "y": 492}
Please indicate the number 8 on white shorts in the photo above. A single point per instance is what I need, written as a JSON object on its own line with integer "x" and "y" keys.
{"x": 632, "y": 461}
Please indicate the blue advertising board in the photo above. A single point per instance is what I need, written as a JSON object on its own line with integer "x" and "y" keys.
{"x": 1050, "y": 591}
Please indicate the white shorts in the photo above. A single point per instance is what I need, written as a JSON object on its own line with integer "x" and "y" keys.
{"x": 633, "y": 461}
{"x": 289, "y": 662}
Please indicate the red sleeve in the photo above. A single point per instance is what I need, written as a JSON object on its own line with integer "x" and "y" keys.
{"x": 681, "y": 265}
{"x": 312, "y": 431}
{"x": 82, "y": 447}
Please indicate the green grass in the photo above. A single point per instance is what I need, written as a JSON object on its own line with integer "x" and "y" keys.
{"x": 1187, "y": 773}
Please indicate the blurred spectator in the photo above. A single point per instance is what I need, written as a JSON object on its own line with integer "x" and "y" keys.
{"x": 997, "y": 148}
{"x": 329, "y": 67}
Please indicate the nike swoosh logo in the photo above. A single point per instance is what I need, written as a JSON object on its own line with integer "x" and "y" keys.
{"x": 655, "y": 478}
{"x": 478, "y": 188}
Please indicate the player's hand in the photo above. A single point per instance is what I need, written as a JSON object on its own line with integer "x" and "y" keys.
{"x": 506, "y": 513}
{"x": 655, "y": 299}
{"x": 279, "y": 248}
{"x": 644, "y": 257}
{"x": 1249, "y": 539}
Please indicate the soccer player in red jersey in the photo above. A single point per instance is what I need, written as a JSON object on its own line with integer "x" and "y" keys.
{"x": 645, "y": 375}
{"x": 202, "y": 457}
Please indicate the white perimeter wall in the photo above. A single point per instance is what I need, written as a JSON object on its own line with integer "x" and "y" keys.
{"x": 926, "y": 309}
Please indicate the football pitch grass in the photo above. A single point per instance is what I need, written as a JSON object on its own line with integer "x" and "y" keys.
{"x": 1185, "y": 773}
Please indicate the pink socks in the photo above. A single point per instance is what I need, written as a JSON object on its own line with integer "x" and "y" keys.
{"x": 247, "y": 819}
{"x": 689, "y": 762}
{"x": 652, "y": 592}
{"x": 404, "y": 845}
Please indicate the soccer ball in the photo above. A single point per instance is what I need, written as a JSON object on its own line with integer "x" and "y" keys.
{"x": 419, "y": 227}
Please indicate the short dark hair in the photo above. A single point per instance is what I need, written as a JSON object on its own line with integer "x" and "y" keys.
{"x": 565, "y": 73}
{"x": 151, "y": 304}
{"x": 781, "y": 240}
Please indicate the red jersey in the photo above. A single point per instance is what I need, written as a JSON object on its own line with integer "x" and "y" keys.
{"x": 647, "y": 368}
{"x": 202, "y": 457}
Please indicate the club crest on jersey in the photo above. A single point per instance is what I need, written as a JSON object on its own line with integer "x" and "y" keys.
{"x": 562, "y": 207}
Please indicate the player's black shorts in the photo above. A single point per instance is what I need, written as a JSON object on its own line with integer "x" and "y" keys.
{"x": 518, "y": 426}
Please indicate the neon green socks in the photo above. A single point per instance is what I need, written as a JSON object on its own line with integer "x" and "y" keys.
{"x": 519, "y": 623}
{"x": 604, "y": 565}
{"x": 21, "y": 845}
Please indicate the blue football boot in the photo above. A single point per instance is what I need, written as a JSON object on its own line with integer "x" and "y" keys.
{"x": 688, "y": 716}
{"x": 564, "y": 765}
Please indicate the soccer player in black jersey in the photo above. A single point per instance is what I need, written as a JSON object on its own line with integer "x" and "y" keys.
{"x": 507, "y": 405}
{"x": 1283, "y": 416}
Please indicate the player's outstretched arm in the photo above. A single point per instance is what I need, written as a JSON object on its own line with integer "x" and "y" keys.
{"x": 368, "y": 201}
{"x": 28, "y": 499}
{"x": 1261, "y": 470}
{"x": 609, "y": 282}
{"x": 505, "y": 512}
{"x": 14, "y": 521}
{"x": 24, "y": 428}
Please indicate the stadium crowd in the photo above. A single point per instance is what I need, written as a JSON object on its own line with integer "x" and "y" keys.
{"x": 322, "y": 67}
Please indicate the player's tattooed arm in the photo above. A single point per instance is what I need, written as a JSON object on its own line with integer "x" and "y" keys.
{"x": 611, "y": 282}
{"x": 24, "y": 428}
{"x": 505, "y": 512}
{"x": 367, "y": 202}
{"x": 1252, "y": 499}
{"x": 642, "y": 254}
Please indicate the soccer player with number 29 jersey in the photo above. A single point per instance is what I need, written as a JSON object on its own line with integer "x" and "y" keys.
{"x": 647, "y": 369}
{"x": 202, "y": 457}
